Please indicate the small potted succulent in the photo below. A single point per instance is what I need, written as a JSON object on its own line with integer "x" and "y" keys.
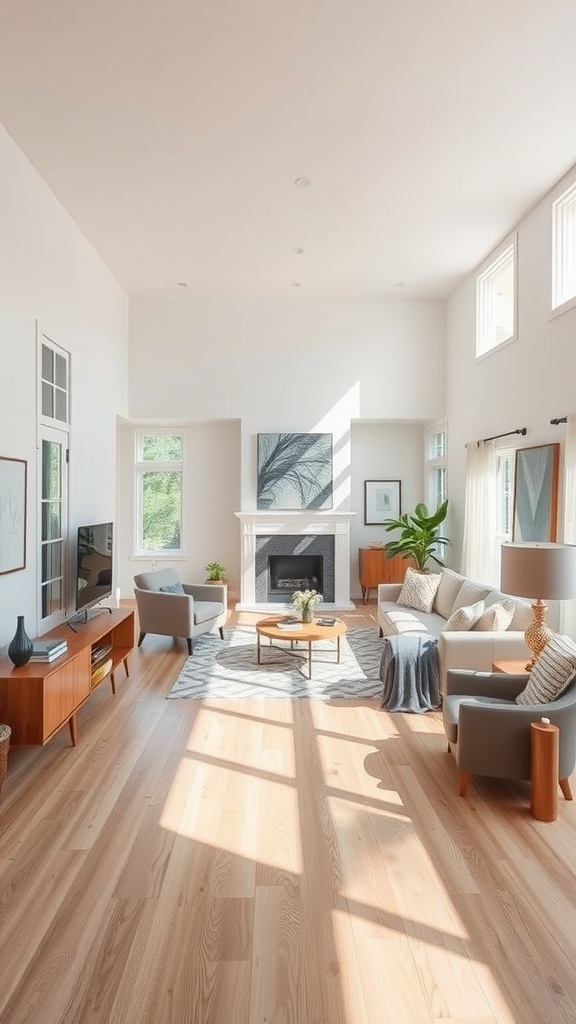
{"x": 216, "y": 572}
{"x": 305, "y": 602}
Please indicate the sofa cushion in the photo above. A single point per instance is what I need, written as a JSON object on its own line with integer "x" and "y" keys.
{"x": 553, "y": 670}
{"x": 204, "y": 610}
{"x": 450, "y": 584}
{"x": 496, "y": 616}
{"x": 419, "y": 590}
{"x": 465, "y": 617}
{"x": 469, "y": 593}
{"x": 394, "y": 620}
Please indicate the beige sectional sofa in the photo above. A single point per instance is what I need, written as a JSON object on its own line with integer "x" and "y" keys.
{"x": 468, "y": 648}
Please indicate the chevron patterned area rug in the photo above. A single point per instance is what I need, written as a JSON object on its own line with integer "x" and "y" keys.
{"x": 228, "y": 670}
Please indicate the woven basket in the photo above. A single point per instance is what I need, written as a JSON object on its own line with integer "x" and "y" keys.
{"x": 5, "y": 733}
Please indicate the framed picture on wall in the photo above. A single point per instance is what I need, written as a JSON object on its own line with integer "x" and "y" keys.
{"x": 12, "y": 514}
{"x": 536, "y": 493}
{"x": 381, "y": 501}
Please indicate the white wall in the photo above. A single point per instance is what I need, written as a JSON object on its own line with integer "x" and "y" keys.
{"x": 383, "y": 451}
{"x": 523, "y": 384}
{"x": 50, "y": 274}
{"x": 211, "y": 531}
{"x": 294, "y": 365}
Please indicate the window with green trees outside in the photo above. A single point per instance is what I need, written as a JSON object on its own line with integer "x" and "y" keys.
{"x": 159, "y": 492}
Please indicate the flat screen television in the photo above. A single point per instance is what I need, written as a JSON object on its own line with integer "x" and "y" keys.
{"x": 94, "y": 552}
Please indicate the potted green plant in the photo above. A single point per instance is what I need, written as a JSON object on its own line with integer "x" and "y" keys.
{"x": 419, "y": 535}
{"x": 216, "y": 572}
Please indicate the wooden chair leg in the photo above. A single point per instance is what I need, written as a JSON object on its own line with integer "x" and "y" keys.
{"x": 565, "y": 787}
{"x": 221, "y": 631}
{"x": 464, "y": 780}
{"x": 449, "y": 748}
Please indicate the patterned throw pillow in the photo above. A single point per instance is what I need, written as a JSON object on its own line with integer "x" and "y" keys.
{"x": 552, "y": 672}
{"x": 173, "y": 588}
{"x": 419, "y": 590}
{"x": 464, "y": 618}
{"x": 497, "y": 616}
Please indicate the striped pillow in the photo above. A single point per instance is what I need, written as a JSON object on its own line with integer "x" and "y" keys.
{"x": 553, "y": 670}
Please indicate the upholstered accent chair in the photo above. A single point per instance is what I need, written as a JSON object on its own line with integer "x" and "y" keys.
{"x": 489, "y": 733}
{"x": 171, "y": 608}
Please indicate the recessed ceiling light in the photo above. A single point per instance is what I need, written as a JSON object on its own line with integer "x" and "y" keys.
{"x": 399, "y": 284}
{"x": 295, "y": 284}
{"x": 303, "y": 182}
{"x": 182, "y": 284}
{"x": 298, "y": 250}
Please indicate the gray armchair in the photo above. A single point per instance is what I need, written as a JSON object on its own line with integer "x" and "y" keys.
{"x": 167, "y": 607}
{"x": 490, "y": 734}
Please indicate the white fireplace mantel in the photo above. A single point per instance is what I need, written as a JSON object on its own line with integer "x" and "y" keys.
{"x": 271, "y": 522}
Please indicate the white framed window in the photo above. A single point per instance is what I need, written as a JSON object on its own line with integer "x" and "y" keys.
{"x": 436, "y": 462}
{"x": 564, "y": 249}
{"x": 159, "y": 488}
{"x": 496, "y": 300}
{"x": 53, "y": 447}
{"x": 505, "y": 466}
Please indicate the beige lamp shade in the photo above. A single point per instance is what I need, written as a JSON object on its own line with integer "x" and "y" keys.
{"x": 542, "y": 572}
{"x": 539, "y": 571}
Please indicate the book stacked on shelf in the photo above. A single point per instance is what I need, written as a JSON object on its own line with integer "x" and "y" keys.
{"x": 289, "y": 622}
{"x": 48, "y": 650}
{"x": 101, "y": 662}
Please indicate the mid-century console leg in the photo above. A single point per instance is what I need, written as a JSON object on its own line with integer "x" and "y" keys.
{"x": 464, "y": 780}
{"x": 112, "y": 683}
{"x": 449, "y": 747}
{"x": 72, "y": 727}
{"x": 565, "y": 787}
{"x": 126, "y": 666}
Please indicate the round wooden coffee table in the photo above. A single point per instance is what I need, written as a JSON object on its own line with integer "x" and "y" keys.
{"x": 307, "y": 632}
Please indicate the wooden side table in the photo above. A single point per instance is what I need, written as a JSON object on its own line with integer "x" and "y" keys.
{"x": 512, "y": 667}
{"x": 544, "y": 748}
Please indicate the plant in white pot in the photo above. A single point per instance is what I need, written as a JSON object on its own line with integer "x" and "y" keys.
{"x": 215, "y": 572}
{"x": 419, "y": 535}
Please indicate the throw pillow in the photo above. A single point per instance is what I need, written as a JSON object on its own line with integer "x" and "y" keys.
{"x": 497, "y": 616}
{"x": 464, "y": 618}
{"x": 419, "y": 590}
{"x": 552, "y": 672}
{"x": 173, "y": 588}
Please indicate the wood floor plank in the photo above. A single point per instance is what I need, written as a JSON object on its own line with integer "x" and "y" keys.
{"x": 274, "y": 862}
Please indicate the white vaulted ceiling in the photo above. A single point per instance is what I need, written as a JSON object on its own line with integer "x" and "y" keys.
{"x": 173, "y": 133}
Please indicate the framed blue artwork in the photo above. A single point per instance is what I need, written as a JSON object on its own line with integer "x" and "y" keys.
{"x": 536, "y": 493}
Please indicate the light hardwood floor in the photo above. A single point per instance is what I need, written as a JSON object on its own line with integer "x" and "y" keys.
{"x": 274, "y": 862}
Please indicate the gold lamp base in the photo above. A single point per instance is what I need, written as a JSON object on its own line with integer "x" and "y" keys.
{"x": 538, "y": 633}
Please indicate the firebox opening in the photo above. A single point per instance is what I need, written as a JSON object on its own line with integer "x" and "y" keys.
{"x": 287, "y": 573}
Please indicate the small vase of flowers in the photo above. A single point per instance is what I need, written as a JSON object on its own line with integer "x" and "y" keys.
{"x": 305, "y": 601}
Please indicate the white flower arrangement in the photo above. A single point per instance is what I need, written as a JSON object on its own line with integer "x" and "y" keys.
{"x": 303, "y": 600}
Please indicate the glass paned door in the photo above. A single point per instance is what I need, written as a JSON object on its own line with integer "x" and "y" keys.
{"x": 53, "y": 520}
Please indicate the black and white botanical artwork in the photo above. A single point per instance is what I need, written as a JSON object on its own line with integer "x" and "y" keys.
{"x": 294, "y": 471}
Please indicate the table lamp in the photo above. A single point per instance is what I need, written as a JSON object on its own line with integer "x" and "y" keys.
{"x": 542, "y": 572}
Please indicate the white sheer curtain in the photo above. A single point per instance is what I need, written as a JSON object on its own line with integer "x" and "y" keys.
{"x": 480, "y": 550}
{"x": 568, "y": 608}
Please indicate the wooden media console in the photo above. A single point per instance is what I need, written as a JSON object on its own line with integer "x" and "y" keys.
{"x": 40, "y": 697}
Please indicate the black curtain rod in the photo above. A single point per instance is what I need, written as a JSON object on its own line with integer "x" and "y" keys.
{"x": 559, "y": 419}
{"x": 521, "y": 430}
